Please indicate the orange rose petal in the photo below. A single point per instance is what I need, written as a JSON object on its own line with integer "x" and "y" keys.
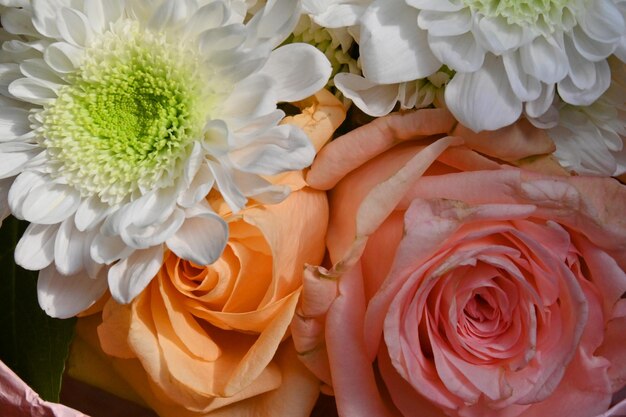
{"x": 251, "y": 321}
{"x": 263, "y": 349}
{"x": 87, "y": 362}
{"x": 321, "y": 115}
{"x": 252, "y": 282}
{"x": 293, "y": 243}
{"x": 113, "y": 331}
{"x": 184, "y": 326}
{"x": 295, "y": 397}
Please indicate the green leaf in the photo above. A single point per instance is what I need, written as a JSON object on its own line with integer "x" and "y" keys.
{"x": 33, "y": 344}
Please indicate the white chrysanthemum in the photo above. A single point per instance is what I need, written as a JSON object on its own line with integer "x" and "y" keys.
{"x": 118, "y": 117}
{"x": 508, "y": 55}
{"x": 591, "y": 140}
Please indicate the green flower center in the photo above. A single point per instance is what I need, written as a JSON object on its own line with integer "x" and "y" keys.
{"x": 128, "y": 118}
{"x": 543, "y": 14}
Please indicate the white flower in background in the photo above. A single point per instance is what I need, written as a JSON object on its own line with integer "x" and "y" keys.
{"x": 117, "y": 118}
{"x": 508, "y": 56}
{"x": 375, "y": 99}
{"x": 591, "y": 140}
{"x": 335, "y": 13}
{"x": 335, "y": 43}
{"x": 380, "y": 99}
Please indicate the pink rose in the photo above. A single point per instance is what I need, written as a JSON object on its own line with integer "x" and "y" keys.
{"x": 461, "y": 285}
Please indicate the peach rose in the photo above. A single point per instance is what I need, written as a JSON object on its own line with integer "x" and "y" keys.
{"x": 214, "y": 340}
{"x": 462, "y": 285}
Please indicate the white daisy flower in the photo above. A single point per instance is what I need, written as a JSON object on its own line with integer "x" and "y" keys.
{"x": 508, "y": 55}
{"x": 117, "y": 118}
{"x": 591, "y": 140}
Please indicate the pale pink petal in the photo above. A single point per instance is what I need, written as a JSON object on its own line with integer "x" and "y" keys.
{"x": 353, "y": 377}
{"x": 18, "y": 399}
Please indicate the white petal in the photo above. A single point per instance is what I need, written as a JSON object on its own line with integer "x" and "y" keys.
{"x": 35, "y": 250}
{"x": 584, "y": 97}
{"x": 151, "y": 208}
{"x": 252, "y": 97}
{"x": 589, "y": 48}
{"x": 65, "y": 296}
{"x": 68, "y": 248}
{"x": 445, "y": 23}
{"x": 544, "y": 60}
{"x": 154, "y": 234}
{"x": 393, "y": 48}
{"x": 581, "y": 71}
{"x": 74, "y": 27}
{"x": 217, "y": 137}
{"x": 50, "y": 203}
{"x": 526, "y": 87}
{"x": 63, "y": 57}
{"x": 283, "y": 148}
{"x": 101, "y": 13}
{"x": 171, "y": 13}
{"x": 9, "y": 72}
{"x": 33, "y": 91}
{"x": 497, "y": 36}
{"x": 620, "y": 52}
{"x": 209, "y": 16}
{"x": 14, "y": 156}
{"x": 440, "y": 5}
{"x": 201, "y": 239}
{"x": 337, "y": 16}
{"x": 128, "y": 278}
{"x": 222, "y": 38}
{"x": 18, "y": 22}
{"x": 374, "y": 99}
{"x": 299, "y": 69}
{"x": 107, "y": 249}
{"x": 5, "y": 187}
{"x": 231, "y": 194}
{"x": 461, "y": 53}
{"x": 257, "y": 188}
{"x": 603, "y": 21}
{"x": 541, "y": 104}
{"x": 235, "y": 65}
{"x": 483, "y": 100}
{"x": 45, "y": 16}
{"x": 38, "y": 69}
{"x": 21, "y": 188}
{"x": 13, "y": 123}
{"x": 90, "y": 212}
{"x": 272, "y": 24}
{"x": 198, "y": 189}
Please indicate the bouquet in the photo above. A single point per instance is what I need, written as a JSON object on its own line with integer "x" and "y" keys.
{"x": 313, "y": 208}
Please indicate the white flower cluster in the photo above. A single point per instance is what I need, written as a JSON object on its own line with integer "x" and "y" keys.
{"x": 539, "y": 59}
